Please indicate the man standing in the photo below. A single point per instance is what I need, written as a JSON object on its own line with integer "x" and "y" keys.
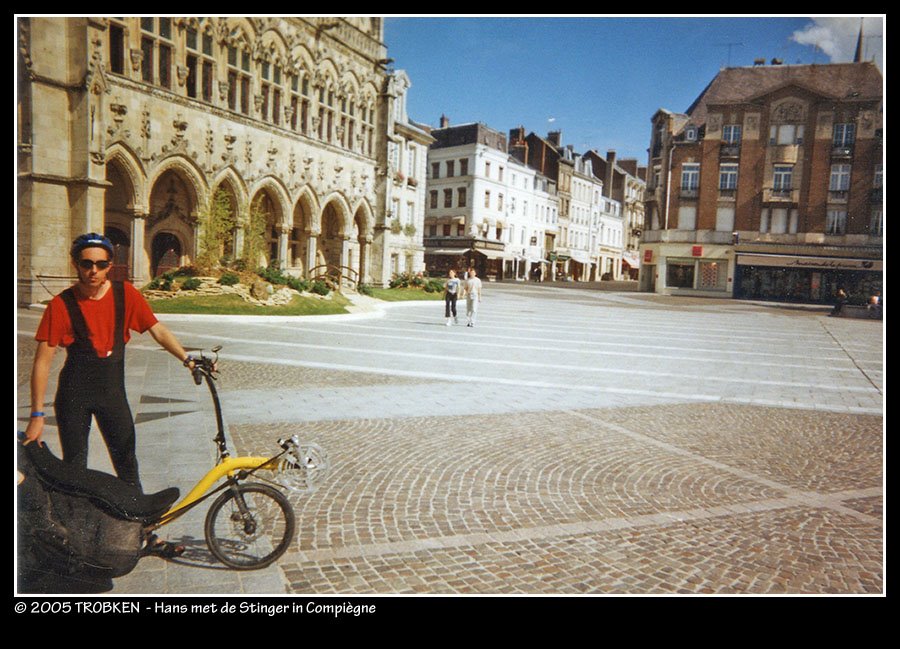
{"x": 472, "y": 292}
{"x": 93, "y": 319}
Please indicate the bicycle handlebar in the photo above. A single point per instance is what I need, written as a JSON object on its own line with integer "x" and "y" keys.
{"x": 205, "y": 366}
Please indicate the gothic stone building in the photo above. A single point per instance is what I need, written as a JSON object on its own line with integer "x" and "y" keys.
{"x": 136, "y": 127}
{"x": 769, "y": 186}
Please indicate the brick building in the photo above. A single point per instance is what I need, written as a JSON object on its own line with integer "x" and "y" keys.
{"x": 769, "y": 186}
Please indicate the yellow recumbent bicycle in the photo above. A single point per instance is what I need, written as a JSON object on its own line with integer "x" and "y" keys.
{"x": 250, "y": 524}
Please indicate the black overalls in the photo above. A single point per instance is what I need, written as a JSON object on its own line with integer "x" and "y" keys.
{"x": 90, "y": 385}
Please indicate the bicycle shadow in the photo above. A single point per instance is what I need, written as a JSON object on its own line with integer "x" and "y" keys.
{"x": 196, "y": 554}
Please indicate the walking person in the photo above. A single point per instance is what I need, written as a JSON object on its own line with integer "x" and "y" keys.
{"x": 472, "y": 293}
{"x": 451, "y": 293}
{"x": 93, "y": 319}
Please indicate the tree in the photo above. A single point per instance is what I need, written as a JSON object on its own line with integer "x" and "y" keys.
{"x": 217, "y": 223}
{"x": 255, "y": 234}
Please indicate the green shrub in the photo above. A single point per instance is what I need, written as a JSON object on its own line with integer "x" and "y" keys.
{"x": 365, "y": 289}
{"x": 320, "y": 288}
{"x": 434, "y": 286}
{"x": 191, "y": 284}
{"x": 298, "y": 284}
{"x": 229, "y": 279}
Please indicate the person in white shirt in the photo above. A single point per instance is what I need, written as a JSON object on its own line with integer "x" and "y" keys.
{"x": 472, "y": 293}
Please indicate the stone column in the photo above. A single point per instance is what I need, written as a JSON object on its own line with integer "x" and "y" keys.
{"x": 140, "y": 260}
{"x": 283, "y": 233}
{"x": 312, "y": 244}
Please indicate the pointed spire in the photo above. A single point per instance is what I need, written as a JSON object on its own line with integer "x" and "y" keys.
{"x": 857, "y": 58}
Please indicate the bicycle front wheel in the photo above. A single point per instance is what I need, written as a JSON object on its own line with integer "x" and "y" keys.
{"x": 249, "y": 526}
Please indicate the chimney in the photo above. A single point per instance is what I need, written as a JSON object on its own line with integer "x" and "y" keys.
{"x": 518, "y": 146}
{"x": 554, "y": 138}
{"x": 445, "y": 121}
{"x": 608, "y": 176}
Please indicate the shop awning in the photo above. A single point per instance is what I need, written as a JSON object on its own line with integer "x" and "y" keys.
{"x": 827, "y": 263}
{"x": 491, "y": 254}
{"x": 632, "y": 259}
{"x": 447, "y": 251}
{"x": 581, "y": 257}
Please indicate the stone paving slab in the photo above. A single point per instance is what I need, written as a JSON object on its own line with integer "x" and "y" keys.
{"x": 575, "y": 442}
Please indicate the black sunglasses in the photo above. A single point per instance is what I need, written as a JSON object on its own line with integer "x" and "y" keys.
{"x": 87, "y": 264}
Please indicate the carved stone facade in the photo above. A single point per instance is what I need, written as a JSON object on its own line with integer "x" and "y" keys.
{"x": 133, "y": 126}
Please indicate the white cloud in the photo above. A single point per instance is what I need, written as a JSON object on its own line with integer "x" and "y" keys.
{"x": 836, "y": 38}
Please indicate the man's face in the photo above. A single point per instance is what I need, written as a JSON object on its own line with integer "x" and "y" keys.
{"x": 90, "y": 274}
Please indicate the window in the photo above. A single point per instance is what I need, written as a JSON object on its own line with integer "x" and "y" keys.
{"x": 728, "y": 175}
{"x": 836, "y": 222}
{"x": 786, "y": 134}
{"x": 299, "y": 104}
{"x": 238, "y": 80}
{"x": 435, "y": 169}
{"x": 464, "y": 167}
{"x": 687, "y": 218}
{"x": 433, "y": 200}
{"x": 461, "y": 197}
{"x": 840, "y": 178}
{"x": 447, "y": 230}
{"x": 680, "y": 274}
{"x": 725, "y": 219}
{"x": 116, "y": 48}
{"x": 200, "y": 66}
{"x": 451, "y": 168}
{"x": 500, "y": 174}
{"x": 500, "y": 202}
{"x": 878, "y": 176}
{"x": 731, "y": 134}
{"x": 876, "y": 223}
{"x": 690, "y": 176}
{"x": 844, "y": 135}
{"x": 783, "y": 178}
{"x": 487, "y": 169}
{"x": 156, "y": 47}
{"x": 448, "y": 198}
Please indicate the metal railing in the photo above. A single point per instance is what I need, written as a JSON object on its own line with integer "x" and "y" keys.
{"x": 337, "y": 277}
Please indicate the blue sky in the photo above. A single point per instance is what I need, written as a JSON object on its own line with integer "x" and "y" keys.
{"x": 598, "y": 79}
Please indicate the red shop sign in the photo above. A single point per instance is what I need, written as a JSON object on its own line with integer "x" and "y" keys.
{"x": 697, "y": 251}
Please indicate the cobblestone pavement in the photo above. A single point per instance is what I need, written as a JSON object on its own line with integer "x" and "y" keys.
{"x": 572, "y": 442}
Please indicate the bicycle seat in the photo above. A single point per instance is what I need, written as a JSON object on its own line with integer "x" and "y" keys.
{"x": 117, "y": 497}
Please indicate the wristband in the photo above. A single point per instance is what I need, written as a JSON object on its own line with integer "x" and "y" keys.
{"x": 187, "y": 361}
{"x": 37, "y": 413}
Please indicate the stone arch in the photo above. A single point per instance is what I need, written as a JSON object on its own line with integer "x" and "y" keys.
{"x": 303, "y": 228}
{"x": 118, "y": 216}
{"x": 335, "y": 226}
{"x": 177, "y": 193}
{"x": 361, "y": 235}
{"x": 189, "y": 171}
{"x": 269, "y": 202}
{"x": 131, "y": 167}
{"x": 273, "y": 45}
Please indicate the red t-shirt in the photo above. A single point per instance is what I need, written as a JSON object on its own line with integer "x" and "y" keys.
{"x": 100, "y": 317}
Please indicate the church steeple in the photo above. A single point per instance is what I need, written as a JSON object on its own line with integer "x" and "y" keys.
{"x": 857, "y": 58}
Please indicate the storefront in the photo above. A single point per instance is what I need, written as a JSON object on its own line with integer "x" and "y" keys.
{"x": 805, "y": 278}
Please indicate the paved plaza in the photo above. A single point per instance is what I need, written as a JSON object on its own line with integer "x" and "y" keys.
{"x": 573, "y": 441}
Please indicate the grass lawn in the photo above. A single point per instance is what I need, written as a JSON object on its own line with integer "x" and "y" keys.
{"x": 404, "y": 294}
{"x": 234, "y": 305}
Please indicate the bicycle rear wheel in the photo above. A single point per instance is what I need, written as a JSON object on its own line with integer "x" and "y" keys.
{"x": 249, "y": 526}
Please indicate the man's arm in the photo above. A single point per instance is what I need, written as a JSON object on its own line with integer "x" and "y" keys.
{"x": 40, "y": 373}
{"x": 168, "y": 341}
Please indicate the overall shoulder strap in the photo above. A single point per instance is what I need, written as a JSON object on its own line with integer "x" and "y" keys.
{"x": 119, "y": 299}
{"x": 79, "y": 326}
